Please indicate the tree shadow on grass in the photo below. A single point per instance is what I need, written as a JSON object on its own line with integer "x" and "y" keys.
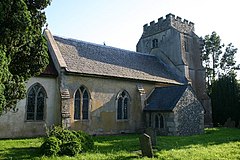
{"x": 22, "y": 153}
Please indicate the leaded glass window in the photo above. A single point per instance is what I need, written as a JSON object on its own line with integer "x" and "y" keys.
{"x": 36, "y": 103}
{"x": 81, "y": 104}
{"x": 123, "y": 100}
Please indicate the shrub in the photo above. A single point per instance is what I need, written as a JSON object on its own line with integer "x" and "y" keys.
{"x": 86, "y": 140}
{"x": 66, "y": 142}
{"x": 62, "y": 134}
{"x": 71, "y": 148}
{"x": 50, "y": 146}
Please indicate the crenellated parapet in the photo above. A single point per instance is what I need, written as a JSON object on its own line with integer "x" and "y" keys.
{"x": 162, "y": 24}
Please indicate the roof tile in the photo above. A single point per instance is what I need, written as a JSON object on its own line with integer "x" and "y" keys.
{"x": 89, "y": 58}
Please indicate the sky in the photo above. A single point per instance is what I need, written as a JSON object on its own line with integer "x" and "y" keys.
{"x": 119, "y": 23}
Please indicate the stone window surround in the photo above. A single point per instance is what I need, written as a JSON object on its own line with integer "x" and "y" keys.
{"x": 81, "y": 105}
{"x": 155, "y": 43}
{"x": 127, "y": 96}
{"x": 186, "y": 44}
{"x": 40, "y": 87}
{"x": 160, "y": 121}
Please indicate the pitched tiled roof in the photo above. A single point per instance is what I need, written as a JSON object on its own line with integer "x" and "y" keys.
{"x": 88, "y": 58}
{"x": 164, "y": 98}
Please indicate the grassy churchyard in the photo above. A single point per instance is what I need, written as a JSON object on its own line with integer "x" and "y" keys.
{"x": 216, "y": 143}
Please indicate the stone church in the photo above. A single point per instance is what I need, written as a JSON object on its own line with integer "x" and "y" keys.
{"x": 106, "y": 90}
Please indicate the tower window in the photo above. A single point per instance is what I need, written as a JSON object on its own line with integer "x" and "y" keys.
{"x": 186, "y": 44}
{"x": 155, "y": 43}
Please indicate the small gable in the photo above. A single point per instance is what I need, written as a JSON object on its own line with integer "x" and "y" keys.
{"x": 50, "y": 70}
{"x": 164, "y": 98}
{"x": 180, "y": 108}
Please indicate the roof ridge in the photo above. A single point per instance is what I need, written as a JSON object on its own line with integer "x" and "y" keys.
{"x": 101, "y": 45}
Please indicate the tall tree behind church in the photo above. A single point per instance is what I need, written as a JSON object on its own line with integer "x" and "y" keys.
{"x": 210, "y": 56}
{"x": 216, "y": 61}
{"x": 23, "y": 49}
{"x": 223, "y": 88}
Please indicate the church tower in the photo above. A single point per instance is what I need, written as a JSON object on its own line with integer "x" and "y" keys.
{"x": 173, "y": 41}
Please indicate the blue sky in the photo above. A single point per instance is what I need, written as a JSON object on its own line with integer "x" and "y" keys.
{"x": 119, "y": 23}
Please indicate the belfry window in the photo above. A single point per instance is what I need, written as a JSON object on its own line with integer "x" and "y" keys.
{"x": 155, "y": 43}
{"x": 123, "y": 101}
{"x": 81, "y": 104}
{"x": 36, "y": 103}
{"x": 186, "y": 44}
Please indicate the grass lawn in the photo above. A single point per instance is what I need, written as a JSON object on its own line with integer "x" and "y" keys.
{"x": 216, "y": 143}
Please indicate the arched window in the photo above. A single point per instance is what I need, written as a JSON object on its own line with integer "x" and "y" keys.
{"x": 36, "y": 101}
{"x": 155, "y": 43}
{"x": 156, "y": 121}
{"x": 186, "y": 44}
{"x": 159, "y": 121}
{"x": 81, "y": 104}
{"x": 123, "y": 101}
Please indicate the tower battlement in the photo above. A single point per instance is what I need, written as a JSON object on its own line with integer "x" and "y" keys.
{"x": 162, "y": 24}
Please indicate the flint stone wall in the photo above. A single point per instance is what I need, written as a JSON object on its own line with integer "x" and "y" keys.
{"x": 189, "y": 115}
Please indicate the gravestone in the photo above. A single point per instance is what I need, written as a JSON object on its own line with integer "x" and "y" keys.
{"x": 152, "y": 133}
{"x": 229, "y": 123}
{"x": 146, "y": 145}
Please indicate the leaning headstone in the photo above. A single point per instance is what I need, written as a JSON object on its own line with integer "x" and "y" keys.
{"x": 152, "y": 133}
{"x": 146, "y": 145}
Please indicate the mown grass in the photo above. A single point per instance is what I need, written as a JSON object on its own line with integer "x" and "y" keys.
{"x": 216, "y": 143}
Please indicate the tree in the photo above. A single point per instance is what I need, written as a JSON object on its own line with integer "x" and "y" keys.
{"x": 228, "y": 63}
{"x": 225, "y": 97}
{"x": 216, "y": 62}
{"x": 23, "y": 48}
{"x": 223, "y": 88}
{"x": 210, "y": 55}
